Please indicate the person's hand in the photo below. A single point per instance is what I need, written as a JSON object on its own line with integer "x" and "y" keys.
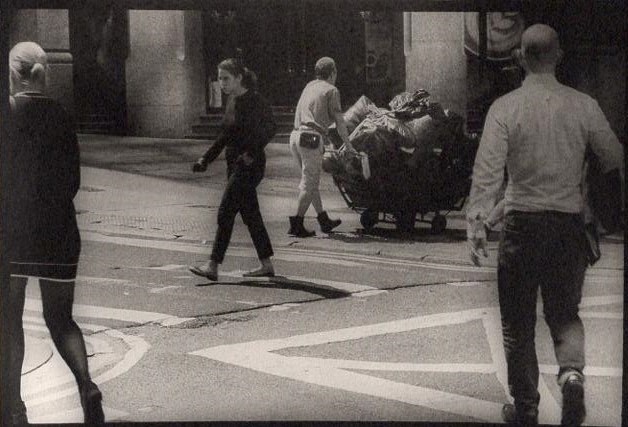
{"x": 477, "y": 246}
{"x": 476, "y": 239}
{"x": 200, "y": 165}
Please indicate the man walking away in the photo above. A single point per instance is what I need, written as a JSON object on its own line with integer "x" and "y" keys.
{"x": 540, "y": 133}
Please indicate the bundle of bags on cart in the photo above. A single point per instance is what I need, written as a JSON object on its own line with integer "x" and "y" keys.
{"x": 415, "y": 139}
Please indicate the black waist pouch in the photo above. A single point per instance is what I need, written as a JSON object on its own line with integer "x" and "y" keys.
{"x": 309, "y": 140}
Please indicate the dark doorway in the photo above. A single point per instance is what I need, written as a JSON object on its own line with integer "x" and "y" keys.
{"x": 338, "y": 33}
{"x": 99, "y": 43}
{"x": 282, "y": 44}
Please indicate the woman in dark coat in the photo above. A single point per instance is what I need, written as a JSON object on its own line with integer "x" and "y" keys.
{"x": 248, "y": 126}
{"x": 41, "y": 176}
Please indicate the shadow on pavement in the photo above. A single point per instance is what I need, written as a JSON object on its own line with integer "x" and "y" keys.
{"x": 282, "y": 282}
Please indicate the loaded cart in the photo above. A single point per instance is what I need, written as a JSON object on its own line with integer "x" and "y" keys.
{"x": 411, "y": 194}
{"x": 405, "y": 168}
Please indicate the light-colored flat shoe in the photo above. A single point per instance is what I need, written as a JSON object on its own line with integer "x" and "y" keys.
{"x": 204, "y": 272}
{"x": 260, "y": 272}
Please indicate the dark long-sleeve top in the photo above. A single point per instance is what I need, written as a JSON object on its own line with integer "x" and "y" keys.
{"x": 249, "y": 131}
{"x": 41, "y": 176}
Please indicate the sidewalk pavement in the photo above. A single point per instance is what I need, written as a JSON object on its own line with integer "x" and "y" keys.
{"x": 116, "y": 202}
{"x": 144, "y": 187}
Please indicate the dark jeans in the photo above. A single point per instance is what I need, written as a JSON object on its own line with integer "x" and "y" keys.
{"x": 543, "y": 250}
{"x": 240, "y": 196}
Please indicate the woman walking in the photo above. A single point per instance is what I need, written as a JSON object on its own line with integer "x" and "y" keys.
{"x": 248, "y": 126}
{"x": 41, "y": 176}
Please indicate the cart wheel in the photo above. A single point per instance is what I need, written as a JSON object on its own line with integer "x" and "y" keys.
{"x": 368, "y": 219}
{"x": 439, "y": 224}
{"x": 405, "y": 221}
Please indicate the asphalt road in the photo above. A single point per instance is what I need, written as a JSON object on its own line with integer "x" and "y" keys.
{"x": 409, "y": 343}
{"x": 356, "y": 327}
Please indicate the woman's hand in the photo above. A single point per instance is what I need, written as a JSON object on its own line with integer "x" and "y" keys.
{"x": 200, "y": 165}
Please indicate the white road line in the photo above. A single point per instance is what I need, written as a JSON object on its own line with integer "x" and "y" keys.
{"x": 493, "y": 330}
{"x": 323, "y": 260}
{"x": 259, "y": 355}
{"x": 137, "y": 348}
{"x": 168, "y": 267}
{"x": 262, "y": 355}
{"x": 393, "y": 261}
{"x": 201, "y": 249}
{"x": 479, "y": 368}
{"x": 102, "y": 280}
{"x": 590, "y": 371}
{"x": 602, "y": 300}
{"x": 164, "y": 289}
{"x": 357, "y": 332}
{"x": 463, "y": 284}
{"x": 282, "y": 307}
{"x": 55, "y": 373}
{"x": 312, "y": 255}
{"x": 601, "y": 315}
{"x": 94, "y": 311}
{"x": 341, "y": 286}
{"x": 75, "y": 416}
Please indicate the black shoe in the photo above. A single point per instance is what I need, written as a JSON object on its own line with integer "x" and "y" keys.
{"x": 297, "y": 229}
{"x": 510, "y": 416}
{"x": 327, "y": 224}
{"x": 91, "y": 400}
{"x": 574, "y": 411}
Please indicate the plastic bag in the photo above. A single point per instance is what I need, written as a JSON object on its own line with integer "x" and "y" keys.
{"x": 373, "y": 139}
{"x": 410, "y": 105}
{"x": 407, "y": 136}
{"x": 424, "y": 129}
{"x": 358, "y": 112}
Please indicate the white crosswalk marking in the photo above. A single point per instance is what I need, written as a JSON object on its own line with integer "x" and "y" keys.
{"x": 53, "y": 381}
{"x": 264, "y": 356}
{"x": 92, "y": 311}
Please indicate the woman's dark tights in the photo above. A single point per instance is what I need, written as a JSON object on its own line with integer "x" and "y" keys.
{"x": 57, "y": 300}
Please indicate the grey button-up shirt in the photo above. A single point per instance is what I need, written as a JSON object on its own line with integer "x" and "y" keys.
{"x": 540, "y": 132}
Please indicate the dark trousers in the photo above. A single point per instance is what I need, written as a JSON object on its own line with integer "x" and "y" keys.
{"x": 543, "y": 250}
{"x": 240, "y": 196}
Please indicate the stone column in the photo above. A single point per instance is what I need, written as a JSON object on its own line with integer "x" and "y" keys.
{"x": 435, "y": 59}
{"x": 164, "y": 72}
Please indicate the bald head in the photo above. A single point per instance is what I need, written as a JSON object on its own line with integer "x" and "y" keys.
{"x": 540, "y": 47}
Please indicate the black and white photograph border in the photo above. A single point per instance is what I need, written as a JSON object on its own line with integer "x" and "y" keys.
{"x": 385, "y": 318}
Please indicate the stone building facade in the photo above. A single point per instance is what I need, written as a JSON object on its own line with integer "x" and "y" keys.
{"x": 150, "y": 72}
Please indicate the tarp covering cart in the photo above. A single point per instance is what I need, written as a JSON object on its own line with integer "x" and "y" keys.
{"x": 411, "y": 161}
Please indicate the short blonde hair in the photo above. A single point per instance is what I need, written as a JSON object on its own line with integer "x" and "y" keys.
{"x": 28, "y": 63}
